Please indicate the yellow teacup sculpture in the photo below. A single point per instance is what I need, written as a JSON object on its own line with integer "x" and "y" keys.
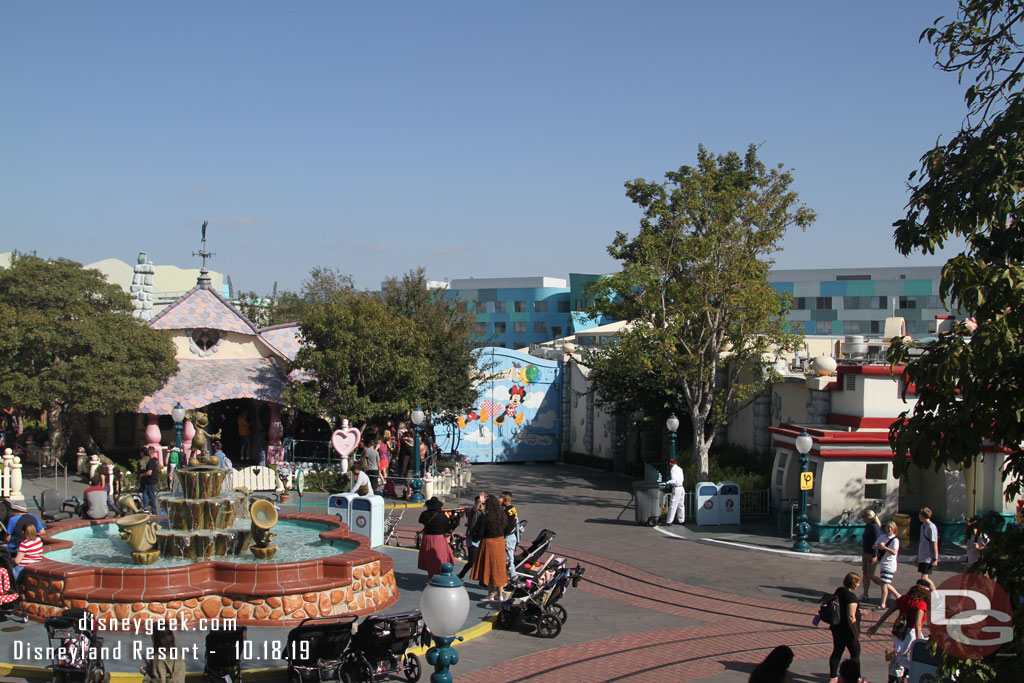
{"x": 138, "y": 532}
{"x": 263, "y": 516}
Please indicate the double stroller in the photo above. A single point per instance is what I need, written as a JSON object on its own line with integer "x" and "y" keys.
{"x": 77, "y": 648}
{"x": 329, "y": 649}
{"x": 534, "y": 602}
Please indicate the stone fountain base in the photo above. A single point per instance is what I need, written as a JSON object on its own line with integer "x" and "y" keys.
{"x": 358, "y": 581}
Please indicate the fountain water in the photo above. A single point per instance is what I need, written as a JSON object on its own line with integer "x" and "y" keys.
{"x": 201, "y": 518}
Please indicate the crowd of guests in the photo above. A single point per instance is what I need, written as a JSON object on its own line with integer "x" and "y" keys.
{"x": 492, "y": 535}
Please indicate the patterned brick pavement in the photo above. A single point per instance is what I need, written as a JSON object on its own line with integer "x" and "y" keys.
{"x": 736, "y": 630}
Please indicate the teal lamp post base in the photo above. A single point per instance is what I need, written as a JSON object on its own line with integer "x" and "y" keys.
{"x": 416, "y": 485}
{"x": 441, "y": 656}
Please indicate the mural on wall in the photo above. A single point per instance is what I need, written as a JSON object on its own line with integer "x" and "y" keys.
{"x": 518, "y": 414}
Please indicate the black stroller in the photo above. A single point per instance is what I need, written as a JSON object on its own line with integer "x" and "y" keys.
{"x": 12, "y": 604}
{"x": 380, "y": 646}
{"x": 223, "y": 655}
{"x": 315, "y": 650}
{"x": 537, "y": 549}
{"x": 76, "y": 647}
{"x": 534, "y": 602}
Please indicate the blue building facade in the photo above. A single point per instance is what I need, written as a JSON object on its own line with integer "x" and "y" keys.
{"x": 514, "y": 312}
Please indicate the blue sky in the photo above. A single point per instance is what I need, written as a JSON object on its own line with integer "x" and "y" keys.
{"x": 474, "y": 139}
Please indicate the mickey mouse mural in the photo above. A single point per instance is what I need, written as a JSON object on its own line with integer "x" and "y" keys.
{"x": 516, "y": 394}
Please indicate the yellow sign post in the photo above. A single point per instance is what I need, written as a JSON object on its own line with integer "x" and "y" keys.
{"x": 807, "y": 481}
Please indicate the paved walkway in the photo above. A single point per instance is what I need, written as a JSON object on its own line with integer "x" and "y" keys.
{"x": 657, "y": 604}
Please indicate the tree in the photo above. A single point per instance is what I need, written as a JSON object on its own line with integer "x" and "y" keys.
{"x": 694, "y": 284}
{"x": 323, "y": 284}
{"x": 69, "y": 345}
{"x": 970, "y": 384}
{"x": 363, "y": 361}
{"x": 448, "y": 342}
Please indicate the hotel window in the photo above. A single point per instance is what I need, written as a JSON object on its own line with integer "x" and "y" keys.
{"x": 563, "y": 306}
{"x": 540, "y": 306}
{"x": 907, "y": 302}
{"x": 882, "y": 303}
{"x": 876, "y": 327}
{"x": 540, "y": 327}
{"x": 519, "y": 327}
{"x": 851, "y": 303}
{"x": 499, "y": 306}
{"x": 823, "y": 303}
{"x": 499, "y": 328}
{"x": 823, "y": 327}
{"x": 481, "y": 328}
{"x": 577, "y": 305}
{"x": 556, "y": 332}
{"x": 800, "y": 304}
{"x": 519, "y": 306}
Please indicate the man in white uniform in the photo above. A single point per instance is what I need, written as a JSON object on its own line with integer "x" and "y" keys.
{"x": 675, "y": 476}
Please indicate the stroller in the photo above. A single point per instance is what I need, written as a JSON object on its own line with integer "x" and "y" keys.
{"x": 315, "y": 649}
{"x": 537, "y": 549}
{"x": 380, "y": 646}
{"x": 223, "y": 655}
{"x": 77, "y": 648}
{"x": 11, "y": 603}
{"x": 391, "y": 526}
{"x": 534, "y": 603}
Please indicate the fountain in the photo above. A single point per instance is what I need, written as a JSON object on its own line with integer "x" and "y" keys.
{"x": 196, "y": 569}
{"x": 201, "y": 519}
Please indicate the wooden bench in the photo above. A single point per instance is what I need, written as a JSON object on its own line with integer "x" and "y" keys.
{"x": 257, "y": 480}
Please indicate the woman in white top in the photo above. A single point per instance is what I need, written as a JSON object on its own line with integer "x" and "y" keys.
{"x": 889, "y": 545}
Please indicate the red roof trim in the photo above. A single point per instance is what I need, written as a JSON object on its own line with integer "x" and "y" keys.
{"x": 860, "y": 422}
{"x": 869, "y": 370}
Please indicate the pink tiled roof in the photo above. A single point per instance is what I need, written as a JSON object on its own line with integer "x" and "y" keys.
{"x": 202, "y": 308}
{"x": 201, "y": 382}
{"x": 283, "y": 338}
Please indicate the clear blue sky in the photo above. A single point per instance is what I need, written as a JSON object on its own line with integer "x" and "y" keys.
{"x": 475, "y": 139}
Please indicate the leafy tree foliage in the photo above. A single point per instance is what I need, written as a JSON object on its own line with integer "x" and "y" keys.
{"x": 70, "y": 346}
{"x": 448, "y": 339}
{"x": 970, "y": 384}
{"x": 323, "y": 284}
{"x": 694, "y": 283}
{"x": 378, "y": 355}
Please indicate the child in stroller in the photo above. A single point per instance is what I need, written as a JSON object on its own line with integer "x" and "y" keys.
{"x": 534, "y": 602}
{"x": 223, "y": 655}
{"x": 77, "y": 649}
{"x": 380, "y": 646}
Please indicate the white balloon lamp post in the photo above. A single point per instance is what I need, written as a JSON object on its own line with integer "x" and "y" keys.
{"x": 445, "y": 606}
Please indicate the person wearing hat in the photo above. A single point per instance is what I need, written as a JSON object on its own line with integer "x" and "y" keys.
{"x": 869, "y": 554}
{"x": 677, "y": 503}
{"x": 434, "y": 548}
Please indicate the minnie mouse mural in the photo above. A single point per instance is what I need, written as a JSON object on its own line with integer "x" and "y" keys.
{"x": 516, "y": 394}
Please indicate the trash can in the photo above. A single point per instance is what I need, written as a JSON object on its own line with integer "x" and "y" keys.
{"x": 340, "y": 505}
{"x": 367, "y": 518}
{"x": 902, "y": 528}
{"x": 707, "y": 504}
{"x": 647, "y": 502}
{"x": 729, "y": 500}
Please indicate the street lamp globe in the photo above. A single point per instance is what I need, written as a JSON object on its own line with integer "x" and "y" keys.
{"x": 417, "y": 416}
{"x": 178, "y": 413}
{"x": 672, "y": 423}
{"x": 445, "y": 606}
{"x": 803, "y": 443}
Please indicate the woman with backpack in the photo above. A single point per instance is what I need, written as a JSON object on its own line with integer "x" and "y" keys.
{"x": 908, "y": 627}
{"x": 844, "y": 623}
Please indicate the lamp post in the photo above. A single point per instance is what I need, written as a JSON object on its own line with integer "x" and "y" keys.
{"x": 445, "y": 606}
{"x": 178, "y": 414}
{"x": 416, "y": 484}
{"x": 803, "y": 447}
{"x": 673, "y": 424}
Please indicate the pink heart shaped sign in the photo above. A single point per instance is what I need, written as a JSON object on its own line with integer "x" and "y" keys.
{"x": 345, "y": 441}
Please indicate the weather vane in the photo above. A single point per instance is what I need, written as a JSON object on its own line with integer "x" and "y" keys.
{"x": 204, "y": 278}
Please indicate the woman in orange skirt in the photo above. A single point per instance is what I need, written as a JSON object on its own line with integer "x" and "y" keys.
{"x": 490, "y": 562}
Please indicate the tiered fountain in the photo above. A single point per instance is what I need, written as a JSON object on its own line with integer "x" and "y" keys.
{"x": 201, "y": 519}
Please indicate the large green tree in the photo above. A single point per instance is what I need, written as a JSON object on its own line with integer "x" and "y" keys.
{"x": 362, "y": 362}
{"x": 970, "y": 384}
{"x": 448, "y": 341}
{"x": 69, "y": 345}
{"x": 693, "y": 285}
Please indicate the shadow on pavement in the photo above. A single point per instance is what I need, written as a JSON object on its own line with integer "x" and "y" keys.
{"x": 811, "y": 595}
